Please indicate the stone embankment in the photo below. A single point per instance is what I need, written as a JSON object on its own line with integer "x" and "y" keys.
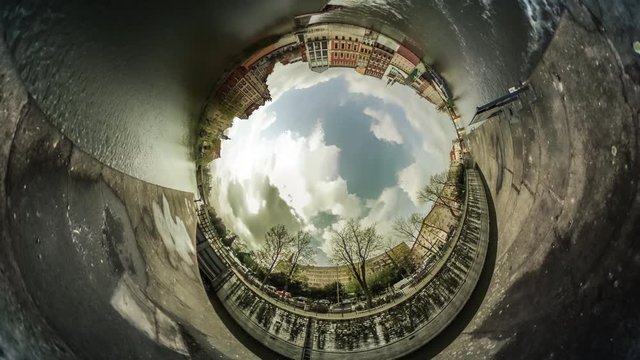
{"x": 390, "y": 333}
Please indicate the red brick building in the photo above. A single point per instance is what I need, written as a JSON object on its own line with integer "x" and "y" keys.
{"x": 379, "y": 61}
{"x": 344, "y": 51}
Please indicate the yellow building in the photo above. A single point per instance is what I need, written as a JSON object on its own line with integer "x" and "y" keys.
{"x": 321, "y": 276}
{"x": 436, "y": 225}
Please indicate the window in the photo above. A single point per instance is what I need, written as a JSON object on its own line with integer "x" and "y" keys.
{"x": 349, "y": 47}
{"x": 342, "y": 46}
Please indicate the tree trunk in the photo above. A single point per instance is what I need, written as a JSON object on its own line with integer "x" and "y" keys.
{"x": 430, "y": 247}
{"x": 365, "y": 288}
{"x": 286, "y": 282}
{"x": 447, "y": 206}
{"x": 436, "y": 227}
{"x": 268, "y": 273}
{"x": 363, "y": 284}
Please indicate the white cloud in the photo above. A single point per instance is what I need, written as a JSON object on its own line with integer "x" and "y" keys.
{"x": 303, "y": 169}
{"x": 392, "y": 203}
{"x": 326, "y": 243}
{"x": 412, "y": 178}
{"x": 326, "y": 235}
{"x": 435, "y": 127}
{"x": 383, "y": 126}
{"x": 296, "y": 76}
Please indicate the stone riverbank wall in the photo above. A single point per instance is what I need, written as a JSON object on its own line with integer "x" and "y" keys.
{"x": 389, "y": 333}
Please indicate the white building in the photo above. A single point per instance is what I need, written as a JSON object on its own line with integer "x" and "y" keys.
{"x": 317, "y": 47}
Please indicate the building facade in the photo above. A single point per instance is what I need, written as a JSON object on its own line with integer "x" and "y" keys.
{"x": 368, "y": 40}
{"x": 405, "y": 60}
{"x": 344, "y": 51}
{"x": 321, "y": 276}
{"x": 379, "y": 61}
{"x": 316, "y": 44}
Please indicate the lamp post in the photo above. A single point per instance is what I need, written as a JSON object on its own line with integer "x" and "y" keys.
{"x": 337, "y": 286}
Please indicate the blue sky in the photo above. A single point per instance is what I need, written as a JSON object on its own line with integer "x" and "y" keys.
{"x": 329, "y": 147}
{"x": 367, "y": 163}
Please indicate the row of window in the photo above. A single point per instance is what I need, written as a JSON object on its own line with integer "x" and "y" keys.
{"x": 318, "y": 54}
{"x": 381, "y": 55}
{"x": 344, "y": 56}
{"x": 317, "y": 45}
{"x": 342, "y": 47}
{"x": 345, "y": 39}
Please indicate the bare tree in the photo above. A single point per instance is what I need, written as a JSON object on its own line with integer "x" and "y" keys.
{"x": 410, "y": 228}
{"x": 434, "y": 192}
{"x": 301, "y": 252}
{"x": 353, "y": 245}
{"x": 277, "y": 243}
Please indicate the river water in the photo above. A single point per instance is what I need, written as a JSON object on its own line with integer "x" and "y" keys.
{"x": 481, "y": 47}
{"x": 126, "y": 82}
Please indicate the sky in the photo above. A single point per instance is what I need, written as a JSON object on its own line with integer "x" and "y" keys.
{"x": 328, "y": 147}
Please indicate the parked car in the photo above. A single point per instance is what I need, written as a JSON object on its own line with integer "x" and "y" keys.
{"x": 299, "y": 301}
{"x": 402, "y": 284}
{"x": 283, "y": 294}
{"x": 340, "y": 308}
{"x": 319, "y": 306}
{"x": 270, "y": 289}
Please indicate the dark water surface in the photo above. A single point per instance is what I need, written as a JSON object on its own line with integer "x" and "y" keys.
{"x": 481, "y": 47}
{"x": 125, "y": 81}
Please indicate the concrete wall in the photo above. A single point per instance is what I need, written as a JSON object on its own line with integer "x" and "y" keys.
{"x": 94, "y": 263}
{"x": 125, "y": 81}
{"x": 563, "y": 174}
{"x": 22, "y": 331}
{"x": 388, "y": 333}
{"x": 250, "y": 319}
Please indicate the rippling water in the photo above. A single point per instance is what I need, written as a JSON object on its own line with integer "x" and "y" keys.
{"x": 468, "y": 41}
{"x": 126, "y": 81}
